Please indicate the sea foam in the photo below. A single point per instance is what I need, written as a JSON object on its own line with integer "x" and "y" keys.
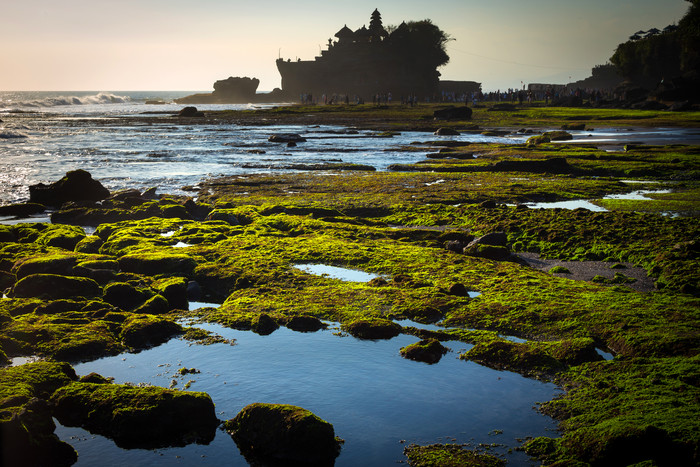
{"x": 96, "y": 99}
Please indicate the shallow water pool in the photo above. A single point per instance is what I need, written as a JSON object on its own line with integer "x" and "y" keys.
{"x": 377, "y": 401}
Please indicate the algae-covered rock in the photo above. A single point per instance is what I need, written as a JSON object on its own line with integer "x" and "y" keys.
{"x": 513, "y": 356}
{"x": 157, "y": 263}
{"x": 54, "y": 286}
{"x": 89, "y": 244}
{"x": 496, "y": 253}
{"x": 144, "y": 417}
{"x": 146, "y": 330}
{"x": 156, "y": 305}
{"x": 174, "y": 289}
{"x": 373, "y": 329}
{"x": 264, "y": 324}
{"x": 123, "y": 295}
{"x": 448, "y": 455}
{"x": 27, "y": 437}
{"x": 280, "y": 433}
{"x": 427, "y": 350}
{"x": 64, "y": 236}
{"x": 304, "y": 323}
{"x": 45, "y": 264}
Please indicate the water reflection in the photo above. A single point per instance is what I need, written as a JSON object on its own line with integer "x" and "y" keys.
{"x": 373, "y": 397}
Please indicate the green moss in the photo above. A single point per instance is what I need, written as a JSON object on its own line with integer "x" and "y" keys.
{"x": 141, "y": 331}
{"x": 427, "y": 350}
{"x": 145, "y": 417}
{"x": 559, "y": 270}
{"x": 54, "y": 286}
{"x": 448, "y": 455}
{"x": 40, "y": 379}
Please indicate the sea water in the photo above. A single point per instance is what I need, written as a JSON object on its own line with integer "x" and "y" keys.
{"x": 377, "y": 401}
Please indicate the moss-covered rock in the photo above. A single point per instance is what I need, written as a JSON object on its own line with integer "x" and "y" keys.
{"x": 76, "y": 185}
{"x": 26, "y": 423}
{"x": 304, "y": 323}
{"x": 157, "y": 263}
{"x": 54, "y": 286}
{"x": 124, "y": 295}
{"x": 174, "y": 289}
{"x": 372, "y": 329}
{"x": 427, "y": 350}
{"x": 281, "y": 433}
{"x": 156, "y": 305}
{"x": 144, "y": 417}
{"x": 141, "y": 331}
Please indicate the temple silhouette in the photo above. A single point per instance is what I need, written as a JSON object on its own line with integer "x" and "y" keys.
{"x": 372, "y": 60}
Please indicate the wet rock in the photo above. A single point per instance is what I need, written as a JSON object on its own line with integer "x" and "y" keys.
{"x": 574, "y": 126}
{"x": 190, "y": 112}
{"x": 264, "y": 325}
{"x": 196, "y": 210}
{"x": 154, "y": 263}
{"x": 305, "y": 324}
{"x": 427, "y": 350}
{"x": 558, "y": 135}
{"x": 28, "y": 438}
{"x": 50, "y": 264}
{"x": 449, "y": 455}
{"x": 137, "y": 417}
{"x": 22, "y": 209}
{"x": 378, "y": 282}
{"x": 446, "y": 132}
{"x": 145, "y": 331}
{"x": 373, "y": 329}
{"x": 123, "y": 295}
{"x": 458, "y": 290}
{"x": 496, "y": 253}
{"x": 280, "y": 434}
{"x": 156, "y": 305}
{"x": 286, "y": 138}
{"x": 194, "y": 291}
{"x": 493, "y": 238}
{"x": 488, "y": 204}
{"x": 538, "y": 139}
{"x": 54, "y": 286}
{"x": 175, "y": 292}
{"x": 453, "y": 113}
{"x": 76, "y": 185}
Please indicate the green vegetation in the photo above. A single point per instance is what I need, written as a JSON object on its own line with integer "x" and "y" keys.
{"x": 448, "y": 455}
{"x": 128, "y": 285}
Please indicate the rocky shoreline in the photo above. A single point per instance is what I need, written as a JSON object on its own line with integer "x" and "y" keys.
{"x": 433, "y": 231}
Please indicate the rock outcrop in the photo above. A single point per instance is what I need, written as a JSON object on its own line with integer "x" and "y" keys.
{"x": 76, "y": 185}
{"x": 281, "y": 434}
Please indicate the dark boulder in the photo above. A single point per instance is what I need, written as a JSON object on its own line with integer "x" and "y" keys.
{"x": 154, "y": 263}
{"x": 453, "y": 113}
{"x": 281, "y": 434}
{"x": 54, "y": 286}
{"x": 264, "y": 325}
{"x": 147, "y": 330}
{"x": 76, "y": 185}
{"x": 21, "y": 209}
{"x": 493, "y": 238}
{"x": 190, "y": 112}
{"x": 458, "y": 290}
{"x": 496, "y": 253}
{"x": 286, "y": 138}
{"x": 175, "y": 292}
{"x": 503, "y": 107}
{"x": 123, "y": 295}
{"x": 27, "y": 437}
{"x": 446, "y": 132}
{"x": 137, "y": 417}
{"x": 427, "y": 350}
{"x": 373, "y": 329}
{"x": 304, "y": 324}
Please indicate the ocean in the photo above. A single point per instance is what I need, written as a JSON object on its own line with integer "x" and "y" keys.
{"x": 45, "y": 134}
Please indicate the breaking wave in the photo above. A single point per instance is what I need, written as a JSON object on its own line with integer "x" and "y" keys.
{"x": 57, "y": 101}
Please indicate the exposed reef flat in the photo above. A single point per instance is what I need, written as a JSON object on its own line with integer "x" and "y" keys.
{"x": 428, "y": 236}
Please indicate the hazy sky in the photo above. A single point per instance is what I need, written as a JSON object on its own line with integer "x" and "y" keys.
{"x": 111, "y": 45}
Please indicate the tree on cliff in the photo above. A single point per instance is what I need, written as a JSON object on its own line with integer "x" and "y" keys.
{"x": 648, "y": 60}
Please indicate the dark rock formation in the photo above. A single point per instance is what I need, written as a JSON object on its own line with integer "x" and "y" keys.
{"x": 227, "y": 91}
{"x": 190, "y": 112}
{"x": 145, "y": 331}
{"x": 373, "y": 329}
{"x": 123, "y": 295}
{"x": 76, "y": 185}
{"x": 490, "y": 246}
{"x": 22, "y": 209}
{"x": 446, "y": 132}
{"x": 305, "y": 324}
{"x": 280, "y": 434}
{"x": 453, "y": 113}
{"x": 427, "y": 350}
{"x": 286, "y": 138}
{"x": 54, "y": 286}
{"x": 137, "y": 417}
{"x": 265, "y": 325}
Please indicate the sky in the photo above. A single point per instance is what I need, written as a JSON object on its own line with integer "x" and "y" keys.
{"x": 112, "y": 45}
